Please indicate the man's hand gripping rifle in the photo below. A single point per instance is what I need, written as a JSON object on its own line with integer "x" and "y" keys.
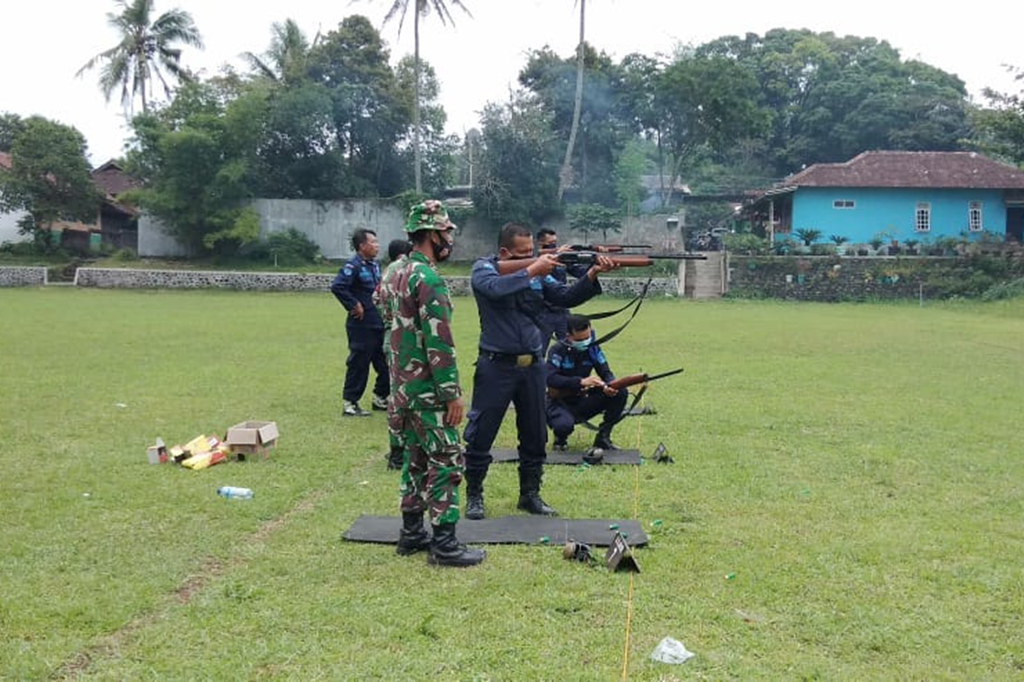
{"x": 615, "y": 384}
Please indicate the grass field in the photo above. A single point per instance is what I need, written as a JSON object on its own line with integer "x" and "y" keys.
{"x": 846, "y": 502}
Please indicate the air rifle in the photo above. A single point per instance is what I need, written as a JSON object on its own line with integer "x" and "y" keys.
{"x": 588, "y": 258}
{"x": 617, "y": 384}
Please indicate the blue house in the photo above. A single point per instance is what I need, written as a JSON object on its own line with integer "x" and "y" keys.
{"x": 903, "y": 195}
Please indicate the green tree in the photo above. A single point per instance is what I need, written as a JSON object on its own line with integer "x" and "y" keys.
{"x": 999, "y": 127}
{"x": 601, "y": 134}
{"x": 287, "y": 58}
{"x": 370, "y": 116}
{"x": 629, "y": 168}
{"x": 438, "y": 149}
{"x": 516, "y": 177}
{"x": 588, "y": 218}
{"x": 194, "y": 171}
{"x": 828, "y": 98}
{"x": 49, "y": 178}
{"x": 10, "y": 126}
{"x": 297, "y": 152}
{"x": 146, "y": 49}
{"x": 399, "y": 8}
{"x": 702, "y": 104}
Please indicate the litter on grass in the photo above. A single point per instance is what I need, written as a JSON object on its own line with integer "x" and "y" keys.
{"x": 671, "y": 651}
{"x": 246, "y": 439}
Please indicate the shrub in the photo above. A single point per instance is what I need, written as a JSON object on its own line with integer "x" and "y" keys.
{"x": 1005, "y": 290}
{"x": 290, "y": 247}
{"x": 746, "y": 243}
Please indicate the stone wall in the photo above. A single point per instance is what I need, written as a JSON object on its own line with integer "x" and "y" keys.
{"x": 834, "y": 278}
{"x": 17, "y": 276}
{"x": 114, "y": 278}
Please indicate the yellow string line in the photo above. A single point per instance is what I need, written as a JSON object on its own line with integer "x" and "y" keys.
{"x": 636, "y": 514}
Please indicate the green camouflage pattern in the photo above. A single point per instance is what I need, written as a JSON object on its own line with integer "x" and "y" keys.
{"x": 385, "y": 291}
{"x": 421, "y": 350}
{"x": 433, "y": 465}
{"x": 382, "y": 298}
{"x": 430, "y": 215}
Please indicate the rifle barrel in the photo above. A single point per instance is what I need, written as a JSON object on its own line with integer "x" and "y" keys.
{"x": 652, "y": 377}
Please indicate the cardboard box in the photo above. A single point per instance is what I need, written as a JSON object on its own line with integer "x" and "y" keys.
{"x": 251, "y": 438}
{"x": 157, "y": 453}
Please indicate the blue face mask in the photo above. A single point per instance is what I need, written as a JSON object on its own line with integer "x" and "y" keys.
{"x": 580, "y": 345}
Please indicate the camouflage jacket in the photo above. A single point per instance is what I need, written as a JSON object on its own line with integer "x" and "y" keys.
{"x": 421, "y": 351}
{"x": 385, "y": 291}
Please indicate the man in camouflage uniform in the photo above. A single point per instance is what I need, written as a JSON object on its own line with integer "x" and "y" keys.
{"x": 426, "y": 394}
{"x": 398, "y": 250}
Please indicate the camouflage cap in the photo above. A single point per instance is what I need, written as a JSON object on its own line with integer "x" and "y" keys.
{"x": 430, "y": 215}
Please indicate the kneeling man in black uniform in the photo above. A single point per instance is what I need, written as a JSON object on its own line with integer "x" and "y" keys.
{"x": 577, "y": 378}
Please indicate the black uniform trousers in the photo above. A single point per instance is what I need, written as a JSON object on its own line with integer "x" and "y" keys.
{"x": 365, "y": 348}
{"x": 498, "y": 380}
{"x": 563, "y": 415}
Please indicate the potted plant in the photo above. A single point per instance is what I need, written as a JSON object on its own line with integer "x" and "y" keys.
{"x": 808, "y": 236}
{"x": 911, "y": 245}
{"x": 876, "y": 242}
{"x": 839, "y": 240}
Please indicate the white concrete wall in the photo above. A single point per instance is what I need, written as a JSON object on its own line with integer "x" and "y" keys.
{"x": 9, "y": 227}
{"x": 154, "y": 242}
{"x": 330, "y": 225}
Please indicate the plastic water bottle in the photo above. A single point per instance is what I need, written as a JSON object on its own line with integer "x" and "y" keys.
{"x": 230, "y": 491}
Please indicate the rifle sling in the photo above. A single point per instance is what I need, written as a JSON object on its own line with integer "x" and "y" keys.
{"x": 615, "y": 332}
{"x": 636, "y": 399}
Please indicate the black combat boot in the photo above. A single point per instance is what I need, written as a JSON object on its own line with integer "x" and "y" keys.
{"x": 414, "y": 537}
{"x": 603, "y": 440}
{"x": 529, "y": 493}
{"x": 445, "y": 550}
{"x": 396, "y": 458}
{"x": 475, "y": 494}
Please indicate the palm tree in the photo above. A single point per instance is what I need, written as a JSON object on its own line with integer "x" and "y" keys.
{"x": 399, "y": 8}
{"x": 566, "y": 174}
{"x": 287, "y": 56}
{"x": 146, "y": 50}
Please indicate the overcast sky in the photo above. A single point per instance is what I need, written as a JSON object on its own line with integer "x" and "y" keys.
{"x": 43, "y": 44}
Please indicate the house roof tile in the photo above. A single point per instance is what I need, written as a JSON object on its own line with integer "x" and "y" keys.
{"x": 963, "y": 170}
{"x": 112, "y": 179}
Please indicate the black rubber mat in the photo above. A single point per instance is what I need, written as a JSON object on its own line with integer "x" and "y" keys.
{"x": 573, "y": 457}
{"x": 506, "y": 530}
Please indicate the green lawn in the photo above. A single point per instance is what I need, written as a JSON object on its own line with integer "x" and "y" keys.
{"x": 846, "y": 502}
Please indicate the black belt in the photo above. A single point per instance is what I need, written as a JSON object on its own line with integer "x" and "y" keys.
{"x": 523, "y": 360}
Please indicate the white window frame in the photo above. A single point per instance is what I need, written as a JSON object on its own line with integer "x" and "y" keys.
{"x": 843, "y": 204}
{"x": 923, "y": 217}
{"x": 974, "y": 223}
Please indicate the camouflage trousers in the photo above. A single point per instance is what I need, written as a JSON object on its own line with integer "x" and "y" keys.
{"x": 394, "y": 422}
{"x": 433, "y": 465}
{"x": 395, "y": 441}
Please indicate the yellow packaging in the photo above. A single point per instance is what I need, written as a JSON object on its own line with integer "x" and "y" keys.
{"x": 197, "y": 445}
